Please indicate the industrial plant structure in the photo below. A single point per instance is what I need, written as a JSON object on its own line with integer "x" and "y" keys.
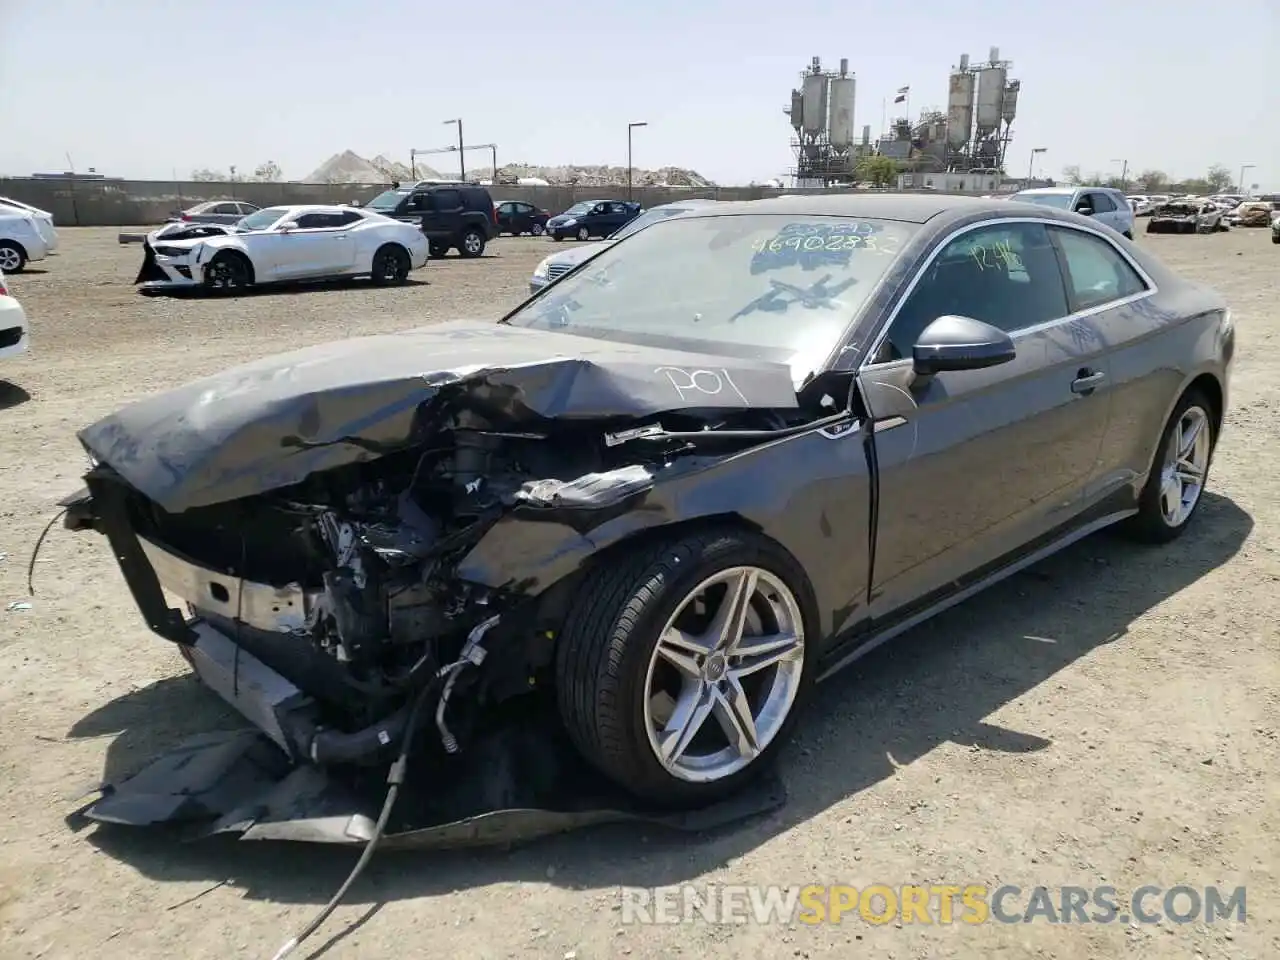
{"x": 971, "y": 135}
{"x": 822, "y": 118}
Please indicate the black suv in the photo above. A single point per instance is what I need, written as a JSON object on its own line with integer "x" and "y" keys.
{"x": 452, "y": 214}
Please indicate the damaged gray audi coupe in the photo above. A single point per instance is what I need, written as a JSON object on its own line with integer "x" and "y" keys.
{"x": 668, "y": 493}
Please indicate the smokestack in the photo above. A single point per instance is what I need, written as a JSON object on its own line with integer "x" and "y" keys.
{"x": 964, "y": 62}
{"x": 995, "y": 54}
{"x": 844, "y": 66}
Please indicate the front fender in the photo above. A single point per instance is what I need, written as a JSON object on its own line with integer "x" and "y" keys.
{"x": 811, "y": 493}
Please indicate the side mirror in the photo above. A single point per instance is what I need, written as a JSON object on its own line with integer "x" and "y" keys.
{"x": 1085, "y": 211}
{"x": 287, "y": 227}
{"x": 960, "y": 343}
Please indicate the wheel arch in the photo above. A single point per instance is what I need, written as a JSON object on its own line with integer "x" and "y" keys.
{"x": 232, "y": 250}
{"x": 22, "y": 247}
{"x": 1208, "y": 383}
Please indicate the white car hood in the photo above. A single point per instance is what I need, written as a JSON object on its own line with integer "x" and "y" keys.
{"x": 578, "y": 254}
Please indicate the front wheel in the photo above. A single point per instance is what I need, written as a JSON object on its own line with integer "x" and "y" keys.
{"x": 584, "y": 233}
{"x": 227, "y": 273}
{"x": 681, "y": 668}
{"x": 1179, "y": 473}
{"x": 437, "y": 248}
{"x": 12, "y": 257}
{"x": 390, "y": 265}
{"x": 537, "y": 229}
{"x": 1275, "y": 238}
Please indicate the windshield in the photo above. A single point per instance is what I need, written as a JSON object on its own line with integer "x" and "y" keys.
{"x": 1060, "y": 200}
{"x": 577, "y": 209}
{"x": 387, "y": 200}
{"x": 646, "y": 218}
{"x": 765, "y": 286}
{"x": 262, "y": 219}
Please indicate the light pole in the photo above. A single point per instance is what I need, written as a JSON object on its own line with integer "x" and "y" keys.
{"x": 1243, "y": 168}
{"x": 630, "y": 127}
{"x": 1031, "y": 164}
{"x": 1124, "y": 175}
{"x": 462, "y": 162}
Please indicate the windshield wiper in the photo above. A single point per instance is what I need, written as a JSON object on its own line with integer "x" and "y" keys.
{"x": 816, "y": 296}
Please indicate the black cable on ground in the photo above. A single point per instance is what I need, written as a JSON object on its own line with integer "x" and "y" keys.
{"x": 395, "y": 778}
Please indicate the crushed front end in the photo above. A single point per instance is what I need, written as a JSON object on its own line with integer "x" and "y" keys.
{"x": 323, "y": 611}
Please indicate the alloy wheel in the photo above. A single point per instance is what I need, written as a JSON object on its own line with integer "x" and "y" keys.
{"x": 732, "y": 653}
{"x": 473, "y": 244}
{"x": 1186, "y": 463}
{"x": 10, "y": 259}
{"x": 584, "y": 233}
{"x": 536, "y": 229}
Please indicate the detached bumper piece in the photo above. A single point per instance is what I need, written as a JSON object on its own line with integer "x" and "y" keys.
{"x": 150, "y": 271}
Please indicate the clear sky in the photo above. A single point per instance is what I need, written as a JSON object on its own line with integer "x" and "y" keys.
{"x": 147, "y": 88}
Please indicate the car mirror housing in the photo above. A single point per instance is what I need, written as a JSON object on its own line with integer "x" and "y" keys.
{"x": 960, "y": 343}
{"x": 286, "y": 227}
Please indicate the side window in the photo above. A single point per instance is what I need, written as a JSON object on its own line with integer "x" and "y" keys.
{"x": 346, "y": 217}
{"x": 599, "y": 208}
{"x": 315, "y": 221}
{"x": 222, "y": 208}
{"x": 506, "y": 209}
{"x": 445, "y": 200}
{"x": 1096, "y": 272}
{"x": 1103, "y": 203}
{"x": 1005, "y": 274}
{"x": 246, "y": 209}
{"x": 418, "y": 203}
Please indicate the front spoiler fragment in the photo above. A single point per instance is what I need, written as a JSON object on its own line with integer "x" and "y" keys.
{"x": 514, "y": 788}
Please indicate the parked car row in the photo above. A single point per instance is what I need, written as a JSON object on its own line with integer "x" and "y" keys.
{"x": 27, "y": 234}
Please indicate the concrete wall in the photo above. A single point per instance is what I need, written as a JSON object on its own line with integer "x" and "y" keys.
{"x": 101, "y": 203}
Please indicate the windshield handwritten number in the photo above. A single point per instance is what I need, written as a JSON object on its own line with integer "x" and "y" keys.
{"x": 979, "y": 254}
{"x": 691, "y": 383}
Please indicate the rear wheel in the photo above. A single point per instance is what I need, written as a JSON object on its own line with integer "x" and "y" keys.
{"x": 437, "y": 248}
{"x": 12, "y": 257}
{"x": 1179, "y": 474}
{"x": 390, "y": 264}
{"x": 537, "y": 229}
{"x": 584, "y": 233}
{"x": 472, "y": 244}
{"x": 227, "y": 273}
{"x": 683, "y": 666}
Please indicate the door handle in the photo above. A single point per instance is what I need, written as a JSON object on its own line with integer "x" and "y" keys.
{"x": 340, "y": 236}
{"x": 1087, "y": 381}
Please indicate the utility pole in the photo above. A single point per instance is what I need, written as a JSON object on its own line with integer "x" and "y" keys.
{"x": 1031, "y": 164}
{"x": 630, "y": 127}
{"x": 462, "y": 162}
{"x": 1124, "y": 175}
{"x": 1243, "y": 168}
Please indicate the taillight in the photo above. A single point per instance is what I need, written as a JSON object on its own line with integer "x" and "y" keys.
{"x": 495, "y": 216}
{"x": 186, "y": 217}
{"x": 4, "y": 291}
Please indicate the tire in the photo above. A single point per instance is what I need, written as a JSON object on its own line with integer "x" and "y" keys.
{"x": 390, "y": 265}
{"x": 608, "y": 664}
{"x": 1275, "y": 238}
{"x": 13, "y": 258}
{"x": 537, "y": 229}
{"x": 437, "y": 248}
{"x": 472, "y": 244}
{"x": 228, "y": 273}
{"x": 1153, "y": 522}
{"x": 557, "y": 237}
{"x": 584, "y": 233}
{"x": 1128, "y": 234}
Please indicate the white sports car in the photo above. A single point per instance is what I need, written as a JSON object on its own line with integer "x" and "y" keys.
{"x": 285, "y": 244}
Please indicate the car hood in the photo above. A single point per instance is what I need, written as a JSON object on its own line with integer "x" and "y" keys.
{"x": 275, "y": 421}
{"x": 577, "y": 255}
{"x": 562, "y": 218}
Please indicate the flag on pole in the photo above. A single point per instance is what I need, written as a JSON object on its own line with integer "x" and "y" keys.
{"x": 902, "y": 94}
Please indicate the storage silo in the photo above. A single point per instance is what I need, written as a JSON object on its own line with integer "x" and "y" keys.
{"x": 840, "y": 128}
{"x": 814, "y": 113}
{"x": 960, "y": 106}
{"x": 1009, "y": 109}
{"x": 990, "y": 98}
{"x": 797, "y": 110}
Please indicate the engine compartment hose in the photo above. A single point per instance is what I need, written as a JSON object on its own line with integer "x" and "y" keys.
{"x": 395, "y": 779}
{"x": 334, "y": 746}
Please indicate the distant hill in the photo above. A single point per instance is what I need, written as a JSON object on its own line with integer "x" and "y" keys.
{"x": 350, "y": 167}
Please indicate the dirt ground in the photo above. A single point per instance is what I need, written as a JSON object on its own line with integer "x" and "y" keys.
{"x": 1109, "y": 717}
